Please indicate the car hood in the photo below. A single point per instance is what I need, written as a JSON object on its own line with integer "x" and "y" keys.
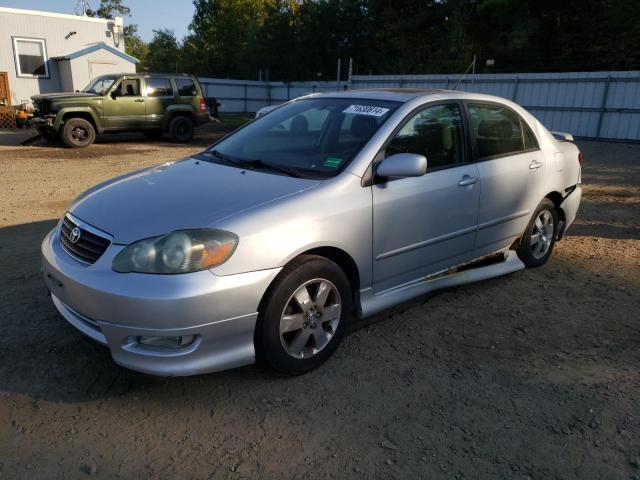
{"x": 64, "y": 96}
{"x": 185, "y": 194}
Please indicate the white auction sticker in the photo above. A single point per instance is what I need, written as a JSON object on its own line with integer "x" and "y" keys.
{"x": 366, "y": 110}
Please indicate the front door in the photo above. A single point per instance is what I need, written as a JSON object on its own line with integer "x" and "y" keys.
{"x": 426, "y": 224}
{"x": 511, "y": 169}
{"x": 124, "y": 107}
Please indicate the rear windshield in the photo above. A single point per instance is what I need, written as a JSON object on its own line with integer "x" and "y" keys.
{"x": 315, "y": 136}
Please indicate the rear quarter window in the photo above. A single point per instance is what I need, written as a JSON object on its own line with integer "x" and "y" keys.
{"x": 186, "y": 87}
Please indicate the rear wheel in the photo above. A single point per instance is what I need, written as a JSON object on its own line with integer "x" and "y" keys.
{"x": 305, "y": 315}
{"x": 78, "y": 133}
{"x": 181, "y": 129}
{"x": 540, "y": 236}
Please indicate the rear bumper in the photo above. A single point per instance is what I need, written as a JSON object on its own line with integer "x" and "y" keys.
{"x": 116, "y": 309}
{"x": 202, "y": 118}
{"x": 570, "y": 207}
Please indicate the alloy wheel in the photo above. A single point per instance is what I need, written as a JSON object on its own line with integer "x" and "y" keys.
{"x": 542, "y": 234}
{"x": 310, "y": 318}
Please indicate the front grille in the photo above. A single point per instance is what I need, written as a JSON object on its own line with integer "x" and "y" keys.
{"x": 88, "y": 248}
{"x": 43, "y": 107}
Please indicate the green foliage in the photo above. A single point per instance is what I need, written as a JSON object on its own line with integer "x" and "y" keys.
{"x": 302, "y": 39}
{"x": 110, "y": 9}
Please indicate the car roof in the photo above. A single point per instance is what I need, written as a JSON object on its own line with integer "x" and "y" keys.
{"x": 393, "y": 94}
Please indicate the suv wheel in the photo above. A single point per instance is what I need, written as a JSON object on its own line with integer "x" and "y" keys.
{"x": 78, "y": 133}
{"x": 181, "y": 129}
{"x": 305, "y": 315}
{"x": 540, "y": 236}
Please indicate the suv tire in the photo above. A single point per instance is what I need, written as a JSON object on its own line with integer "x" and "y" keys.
{"x": 181, "y": 129}
{"x": 540, "y": 235}
{"x": 293, "y": 339}
{"x": 78, "y": 133}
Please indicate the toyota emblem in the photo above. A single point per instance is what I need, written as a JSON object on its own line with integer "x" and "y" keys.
{"x": 75, "y": 235}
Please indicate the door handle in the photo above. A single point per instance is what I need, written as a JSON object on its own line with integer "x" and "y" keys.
{"x": 138, "y": 100}
{"x": 467, "y": 180}
{"x": 534, "y": 165}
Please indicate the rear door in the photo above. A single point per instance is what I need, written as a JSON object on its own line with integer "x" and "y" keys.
{"x": 159, "y": 95}
{"x": 511, "y": 167}
{"x": 425, "y": 224}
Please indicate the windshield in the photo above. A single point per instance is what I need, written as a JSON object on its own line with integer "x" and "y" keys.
{"x": 314, "y": 137}
{"x": 101, "y": 84}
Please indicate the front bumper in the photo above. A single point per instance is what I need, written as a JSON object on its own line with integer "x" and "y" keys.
{"x": 116, "y": 309}
{"x": 43, "y": 122}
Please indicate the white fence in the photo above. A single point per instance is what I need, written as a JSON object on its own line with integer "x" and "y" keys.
{"x": 598, "y": 105}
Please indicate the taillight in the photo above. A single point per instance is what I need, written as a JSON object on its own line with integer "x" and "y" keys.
{"x": 203, "y": 107}
{"x": 580, "y": 158}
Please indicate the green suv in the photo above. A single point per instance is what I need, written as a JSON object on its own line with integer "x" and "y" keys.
{"x": 154, "y": 104}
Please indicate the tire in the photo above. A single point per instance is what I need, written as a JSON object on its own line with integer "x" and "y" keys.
{"x": 539, "y": 238}
{"x": 78, "y": 133}
{"x": 181, "y": 129}
{"x": 154, "y": 134}
{"x": 323, "y": 325}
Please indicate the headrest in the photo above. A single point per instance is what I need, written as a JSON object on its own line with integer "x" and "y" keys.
{"x": 363, "y": 126}
{"x": 129, "y": 89}
{"x": 299, "y": 124}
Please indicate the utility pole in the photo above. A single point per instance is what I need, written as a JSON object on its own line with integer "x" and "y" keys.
{"x": 81, "y": 8}
{"x": 350, "y": 70}
{"x": 338, "y": 75}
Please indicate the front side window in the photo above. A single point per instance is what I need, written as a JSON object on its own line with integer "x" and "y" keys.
{"x": 186, "y": 87}
{"x": 497, "y": 130}
{"x": 435, "y": 132}
{"x": 315, "y": 137}
{"x": 128, "y": 87}
{"x": 31, "y": 57}
{"x": 159, "y": 87}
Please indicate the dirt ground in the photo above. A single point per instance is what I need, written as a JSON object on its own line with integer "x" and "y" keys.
{"x": 531, "y": 376}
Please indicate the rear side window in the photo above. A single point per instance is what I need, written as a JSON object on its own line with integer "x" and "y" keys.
{"x": 497, "y": 130}
{"x": 530, "y": 142}
{"x": 186, "y": 87}
{"x": 159, "y": 87}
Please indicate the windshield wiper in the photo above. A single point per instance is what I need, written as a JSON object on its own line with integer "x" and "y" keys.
{"x": 253, "y": 164}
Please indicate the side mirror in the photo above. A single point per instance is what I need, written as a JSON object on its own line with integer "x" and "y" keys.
{"x": 115, "y": 94}
{"x": 402, "y": 165}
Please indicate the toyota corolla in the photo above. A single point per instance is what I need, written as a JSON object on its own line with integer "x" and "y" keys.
{"x": 332, "y": 207}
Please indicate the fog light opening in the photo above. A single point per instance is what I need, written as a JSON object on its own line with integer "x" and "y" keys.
{"x": 167, "y": 342}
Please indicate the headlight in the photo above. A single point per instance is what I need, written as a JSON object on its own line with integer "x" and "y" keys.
{"x": 182, "y": 251}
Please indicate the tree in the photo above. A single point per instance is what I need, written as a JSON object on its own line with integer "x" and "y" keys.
{"x": 110, "y": 9}
{"x": 164, "y": 52}
{"x": 134, "y": 45}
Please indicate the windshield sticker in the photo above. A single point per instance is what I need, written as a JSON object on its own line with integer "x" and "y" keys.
{"x": 332, "y": 162}
{"x": 366, "y": 110}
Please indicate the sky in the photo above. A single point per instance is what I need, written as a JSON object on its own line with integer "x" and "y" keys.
{"x": 148, "y": 14}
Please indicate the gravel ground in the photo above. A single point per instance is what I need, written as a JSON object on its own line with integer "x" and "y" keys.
{"x": 531, "y": 376}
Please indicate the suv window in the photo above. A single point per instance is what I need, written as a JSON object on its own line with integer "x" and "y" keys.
{"x": 497, "y": 130}
{"x": 159, "y": 87}
{"x": 435, "y": 132}
{"x": 128, "y": 87}
{"x": 186, "y": 87}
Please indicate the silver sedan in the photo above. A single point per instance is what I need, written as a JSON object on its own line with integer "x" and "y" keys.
{"x": 332, "y": 207}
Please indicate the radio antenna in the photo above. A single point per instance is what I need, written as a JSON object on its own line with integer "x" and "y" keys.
{"x": 471, "y": 67}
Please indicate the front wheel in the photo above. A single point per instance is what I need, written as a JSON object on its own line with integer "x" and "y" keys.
{"x": 540, "y": 236}
{"x": 305, "y": 315}
{"x": 78, "y": 133}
